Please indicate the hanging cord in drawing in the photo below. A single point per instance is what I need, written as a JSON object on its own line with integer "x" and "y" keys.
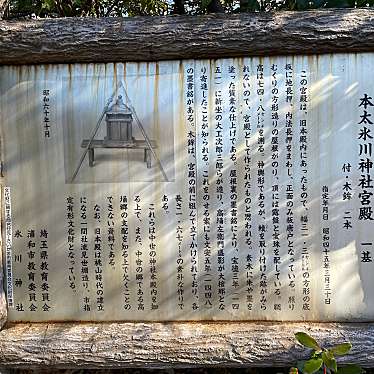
{"x": 145, "y": 135}
{"x": 93, "y": 134}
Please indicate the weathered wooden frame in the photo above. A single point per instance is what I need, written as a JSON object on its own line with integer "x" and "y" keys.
{"x": 74, "y": 40}
{"x": 99, "y": 345}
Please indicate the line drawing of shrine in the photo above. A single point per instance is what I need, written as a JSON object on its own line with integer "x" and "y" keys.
{"x": 120, "y": 117}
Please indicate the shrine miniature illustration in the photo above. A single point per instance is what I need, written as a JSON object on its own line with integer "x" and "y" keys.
{"x": 119, "y": 122}
{"x": 120, "y": 119}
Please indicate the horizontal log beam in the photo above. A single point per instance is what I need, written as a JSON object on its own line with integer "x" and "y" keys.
{"x": 78, "y": 40}
{"x": 177, "y": 345}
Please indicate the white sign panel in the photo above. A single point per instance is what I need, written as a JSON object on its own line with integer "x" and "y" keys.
{"x": 235, "y": 189}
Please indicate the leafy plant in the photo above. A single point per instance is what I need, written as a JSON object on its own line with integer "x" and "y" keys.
{"x": 322, "y": 360}
{"x": 119, "y": 8}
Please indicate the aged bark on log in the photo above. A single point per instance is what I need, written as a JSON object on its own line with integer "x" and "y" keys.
{"x": 3, "y": 6}
{"x": 74, "y": 40}
{"x": 162, "y": 345}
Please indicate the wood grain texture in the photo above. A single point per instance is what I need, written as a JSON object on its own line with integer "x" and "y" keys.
{"x": 177, "y": 345}
{"x": 75, "y": 40}
{"x": 3, "y": 6}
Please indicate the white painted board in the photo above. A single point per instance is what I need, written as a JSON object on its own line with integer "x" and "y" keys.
{"x": 257, "y": 204}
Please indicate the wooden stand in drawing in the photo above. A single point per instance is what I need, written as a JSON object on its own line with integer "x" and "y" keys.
{"x": 119, "y": 121}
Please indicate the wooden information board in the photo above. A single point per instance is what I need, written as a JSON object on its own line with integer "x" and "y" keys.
{"x": 194, "y": 182}
{"x": 234, "y": 189}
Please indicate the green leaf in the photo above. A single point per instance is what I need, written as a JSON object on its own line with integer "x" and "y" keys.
{"x": 341, "y": 349}
{"x": 300, "y": 365}
{"x": 307, "y": 341}
{"x": 329, "y": 360}
{"x": 312, "y": 365}
{"x": 293, "y": 371}
{"x": 205, "y": 3}
{"x": 350, "y": 369}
